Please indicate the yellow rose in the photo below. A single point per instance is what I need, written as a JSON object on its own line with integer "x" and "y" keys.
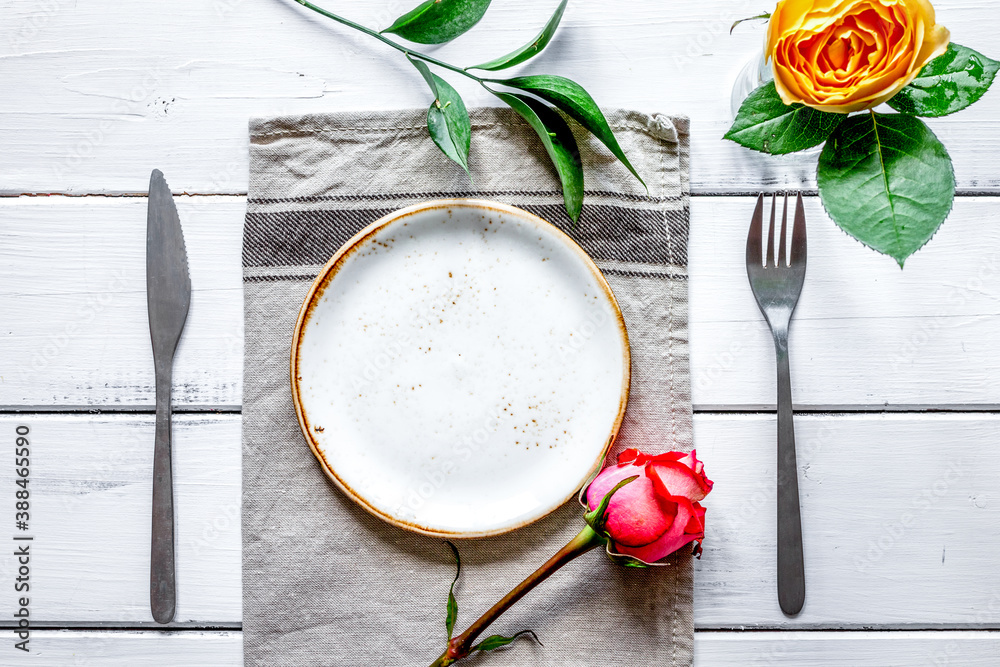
{"x": 848, "y": 55}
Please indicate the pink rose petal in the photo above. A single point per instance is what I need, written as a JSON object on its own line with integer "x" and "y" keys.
{"x": 676, "y": 479}
{"x": 670, "y": 541}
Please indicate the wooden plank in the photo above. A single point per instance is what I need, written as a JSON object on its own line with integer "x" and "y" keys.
{"x": 95, "y": 648}
{"x": 716, "y": 649}
{"x": 106, "y": 90}
{"x": 90, "y": 489}
{"x": 79, "y": 333}
{"x": 858, "y": 649}
{"x": 899, "y": 515}
{"x": 865, "y": 335}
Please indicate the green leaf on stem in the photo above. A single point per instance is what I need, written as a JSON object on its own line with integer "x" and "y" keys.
{"x": 559, "y": 143}
{"x": 449, "y": 125}
{"x": 763, "y": 16}
{"x": 627, "y": 561}
{"x": 452, "y": 609}
{"x": 498, "y": 641}
{"x": 887, "y": 181}
{"x": 949, "y": 83}
{"x": 438, "y": 21}
{"x": 766, "y": 124}
{"x": 447, "y": 118}
{"x": 595, "y": 518}
{"x": 570, "y": 97}
{"x": 425, "y": 72}
{"x": 529, "y": 50}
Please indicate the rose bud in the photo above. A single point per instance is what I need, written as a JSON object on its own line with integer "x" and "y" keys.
{"x": 658, "y": 512}
{"x": 642, "y": 509}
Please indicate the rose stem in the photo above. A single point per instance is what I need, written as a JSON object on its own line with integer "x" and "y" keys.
{"x": 460, "y": 646}
{"x": 378, "y": 36}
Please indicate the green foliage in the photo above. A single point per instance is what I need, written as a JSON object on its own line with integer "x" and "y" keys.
{"x": 763, "y": 16}
{"x": 499, "y": 641}
{"x": 949, "y": 83}
{"x": 447, "y": 118}
{"x": 559, "y": 143}
{"x": 451, "y": 613}
{"x": 887, "y": 181}
{"x": 571, "y": 98}
{"x": 529, "y": 50}
{"x": 766, "y": 124}
{"x": 438, "y": 21}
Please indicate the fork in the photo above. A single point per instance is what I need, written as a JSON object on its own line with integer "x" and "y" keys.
{"x": 777, "y": 286}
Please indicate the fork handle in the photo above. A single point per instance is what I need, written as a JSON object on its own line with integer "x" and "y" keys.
{"x": 791, "y": 570}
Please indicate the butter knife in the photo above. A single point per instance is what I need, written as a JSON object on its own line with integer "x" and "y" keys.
{"x": 168, "y": 295}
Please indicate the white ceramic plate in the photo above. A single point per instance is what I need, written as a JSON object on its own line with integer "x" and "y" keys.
{"x": 460, "y": 368}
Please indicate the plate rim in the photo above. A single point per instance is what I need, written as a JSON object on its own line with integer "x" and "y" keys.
{"x": 329, "y": 272}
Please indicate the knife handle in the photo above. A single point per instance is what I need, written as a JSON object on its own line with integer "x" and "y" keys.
{"x": 162, "y": 584}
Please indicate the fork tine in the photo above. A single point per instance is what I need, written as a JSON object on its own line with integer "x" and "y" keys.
{"x": 770, "y": 233}
{"x": 799, "y": 233}
{"x": 754, "y": 236}
{"x": 782, "y": 240}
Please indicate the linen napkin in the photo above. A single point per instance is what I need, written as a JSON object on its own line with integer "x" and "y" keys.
{"x": 324, "y": 582}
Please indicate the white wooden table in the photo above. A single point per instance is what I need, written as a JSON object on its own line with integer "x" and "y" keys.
{"x": 896, "y": 374}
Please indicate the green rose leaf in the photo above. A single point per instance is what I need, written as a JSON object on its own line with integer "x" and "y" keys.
{"x": 529, "y": 50}
{"x": 438, "y": 21}
{"x": 626, "y": 561}
{"x": 887, "y": 181}
{"x": 949, "y": 83}
{"x": 766, "y": 124}
{"x": 571, "y": 98}
{"x": 498, "y": 641}
{"x": 451, "y": 614}
{"x": 559, "y": 143}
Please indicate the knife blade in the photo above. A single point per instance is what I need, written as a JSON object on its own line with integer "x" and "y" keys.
{"x": 168, "y": 297}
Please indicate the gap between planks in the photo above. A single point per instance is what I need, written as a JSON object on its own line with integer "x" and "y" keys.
{"x": 139, "y": 626}
{"x": 135, "y": 626}
{"x": 959, "y": 192}
{"x": 829, "y": 410}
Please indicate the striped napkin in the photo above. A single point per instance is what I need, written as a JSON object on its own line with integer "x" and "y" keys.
{"x": 324, "y": 582}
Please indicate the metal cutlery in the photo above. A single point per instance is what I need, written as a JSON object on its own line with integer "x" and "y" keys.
{"x": 776, "y": 286}
{"x": 168, "y": 296}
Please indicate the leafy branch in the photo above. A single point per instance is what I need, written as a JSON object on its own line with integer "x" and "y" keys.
{"x": 537, "y": 99}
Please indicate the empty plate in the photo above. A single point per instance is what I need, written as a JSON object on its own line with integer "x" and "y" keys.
{"x": 460, "y": 368}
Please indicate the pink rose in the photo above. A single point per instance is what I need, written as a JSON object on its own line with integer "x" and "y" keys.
{"x": 658, "y": 513}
